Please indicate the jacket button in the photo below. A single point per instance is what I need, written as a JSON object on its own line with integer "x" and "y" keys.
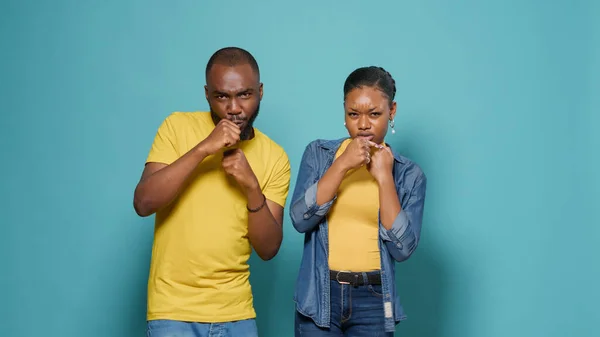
{"x": 306, "y": 216}
{"x": 399, "y": 245}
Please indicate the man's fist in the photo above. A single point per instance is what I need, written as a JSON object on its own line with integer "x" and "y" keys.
{"x": 236, "y": 165}
{"x": 226, "y": 133}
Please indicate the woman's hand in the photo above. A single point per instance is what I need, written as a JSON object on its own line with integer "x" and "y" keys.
{"x": 357, "y": 154}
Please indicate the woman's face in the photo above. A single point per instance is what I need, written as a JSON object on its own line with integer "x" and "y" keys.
{"x": 368, "y": 112}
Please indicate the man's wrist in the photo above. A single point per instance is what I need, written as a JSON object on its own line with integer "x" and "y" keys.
{"x": 254, "y": 196}
{"x": 201, "y": 150}
{"x": 259, "y": 207}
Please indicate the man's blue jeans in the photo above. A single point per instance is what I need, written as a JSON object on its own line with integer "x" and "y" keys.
{"x": 168, "y": 328}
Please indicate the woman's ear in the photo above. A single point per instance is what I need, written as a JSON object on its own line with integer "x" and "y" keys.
{"x": 393, "y": 111}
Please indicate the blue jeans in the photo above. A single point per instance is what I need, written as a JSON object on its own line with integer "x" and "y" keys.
{"x": 168, "y": 328}
{"x": 355, "y": 312}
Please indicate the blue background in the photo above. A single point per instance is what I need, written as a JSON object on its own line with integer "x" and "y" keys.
{"x": 498, "y": 101}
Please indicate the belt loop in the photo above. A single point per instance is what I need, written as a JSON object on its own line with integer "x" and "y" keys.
{"x": 365, "y": 278}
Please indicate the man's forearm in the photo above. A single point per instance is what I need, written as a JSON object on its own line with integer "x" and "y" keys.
{"x": 389, "y": 204}
{"x": 264, "y": 231}
{"x": 160, "y": 188}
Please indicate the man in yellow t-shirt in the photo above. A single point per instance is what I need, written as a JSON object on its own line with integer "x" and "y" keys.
{"x": 218, "y": 187}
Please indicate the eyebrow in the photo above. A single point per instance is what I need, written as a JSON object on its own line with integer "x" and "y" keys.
{"x": 370, "y": 110}
{"x": 243, "y": 91}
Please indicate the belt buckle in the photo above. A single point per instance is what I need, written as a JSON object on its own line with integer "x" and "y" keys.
{"x": 338, "y": 274}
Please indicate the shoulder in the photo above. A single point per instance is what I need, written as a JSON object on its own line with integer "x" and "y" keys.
{"x": 182, "y": 123}
{"x": 320, "y": 151}
{"x": 321, "y": 144}
{"x": 185, "y": 118}
{"x": 270, "y": 148}
{"x": 410, "y": 171}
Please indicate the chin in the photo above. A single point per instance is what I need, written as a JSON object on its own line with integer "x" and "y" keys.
{"x": 378, "y": 139}
{"x": 246, "y": 133}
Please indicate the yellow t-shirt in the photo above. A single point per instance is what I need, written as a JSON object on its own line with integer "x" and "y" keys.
{"x": 199, "y": 270}
{"x": 353, "y": 222}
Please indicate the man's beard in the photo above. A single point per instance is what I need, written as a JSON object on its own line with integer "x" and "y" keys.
{"x": 248, "y": 131}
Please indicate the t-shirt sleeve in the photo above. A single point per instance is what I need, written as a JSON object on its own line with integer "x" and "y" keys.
{"x": 278, "y": 186}
{"x": 164, "y": 147}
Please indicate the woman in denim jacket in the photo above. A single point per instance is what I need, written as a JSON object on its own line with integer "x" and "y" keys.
{"x": 360, "y": 205}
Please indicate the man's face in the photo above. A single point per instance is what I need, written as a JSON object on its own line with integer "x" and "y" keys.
{"x": 234, "y": 93}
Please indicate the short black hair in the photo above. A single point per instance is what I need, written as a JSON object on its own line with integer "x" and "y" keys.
{"x": 371, "y": 77}
{"x": 232, "y": 56}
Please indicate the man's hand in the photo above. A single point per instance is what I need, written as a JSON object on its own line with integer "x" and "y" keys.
{"x": 357, "y": 154}
{"x": 381, "y": 164}
{"x": 264, "y": 225}
{"x": 225, "y": 134}
{"x": 236, "y": 165}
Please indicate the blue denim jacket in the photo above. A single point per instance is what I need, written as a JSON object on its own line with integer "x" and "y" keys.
{"x": 312, "y": 286}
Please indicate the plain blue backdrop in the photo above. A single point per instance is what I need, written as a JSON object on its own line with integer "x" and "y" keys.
{"x": 498, "y": 101}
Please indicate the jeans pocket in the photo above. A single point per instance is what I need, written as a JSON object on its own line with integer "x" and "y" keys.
{"x": 376, "y": 290}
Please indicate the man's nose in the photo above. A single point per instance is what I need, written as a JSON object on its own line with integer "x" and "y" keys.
{"x": 234, "y": 107}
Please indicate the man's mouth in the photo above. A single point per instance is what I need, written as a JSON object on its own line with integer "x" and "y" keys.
{"x": 239, "y": 122}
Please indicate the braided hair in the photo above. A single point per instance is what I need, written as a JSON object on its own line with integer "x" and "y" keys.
{"x": 371, "y": 77}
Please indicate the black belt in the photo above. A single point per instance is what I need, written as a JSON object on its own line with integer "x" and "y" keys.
{"x": 355, "y": 279}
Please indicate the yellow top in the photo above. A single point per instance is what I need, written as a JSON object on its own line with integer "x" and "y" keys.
{"x": 199, "y": 270}
{"x": 354, "y": 222}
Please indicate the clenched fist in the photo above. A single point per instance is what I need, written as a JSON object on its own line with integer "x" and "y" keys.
{"x": 225, "y": 134}
{"x": 358, "y": 153}
{"x": 381, "y": 165}
{"x": 236, "y": 165}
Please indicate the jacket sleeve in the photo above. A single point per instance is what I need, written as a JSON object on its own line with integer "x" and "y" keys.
{"x": 304, "y": 211}
{"x": 402, "y": 239}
